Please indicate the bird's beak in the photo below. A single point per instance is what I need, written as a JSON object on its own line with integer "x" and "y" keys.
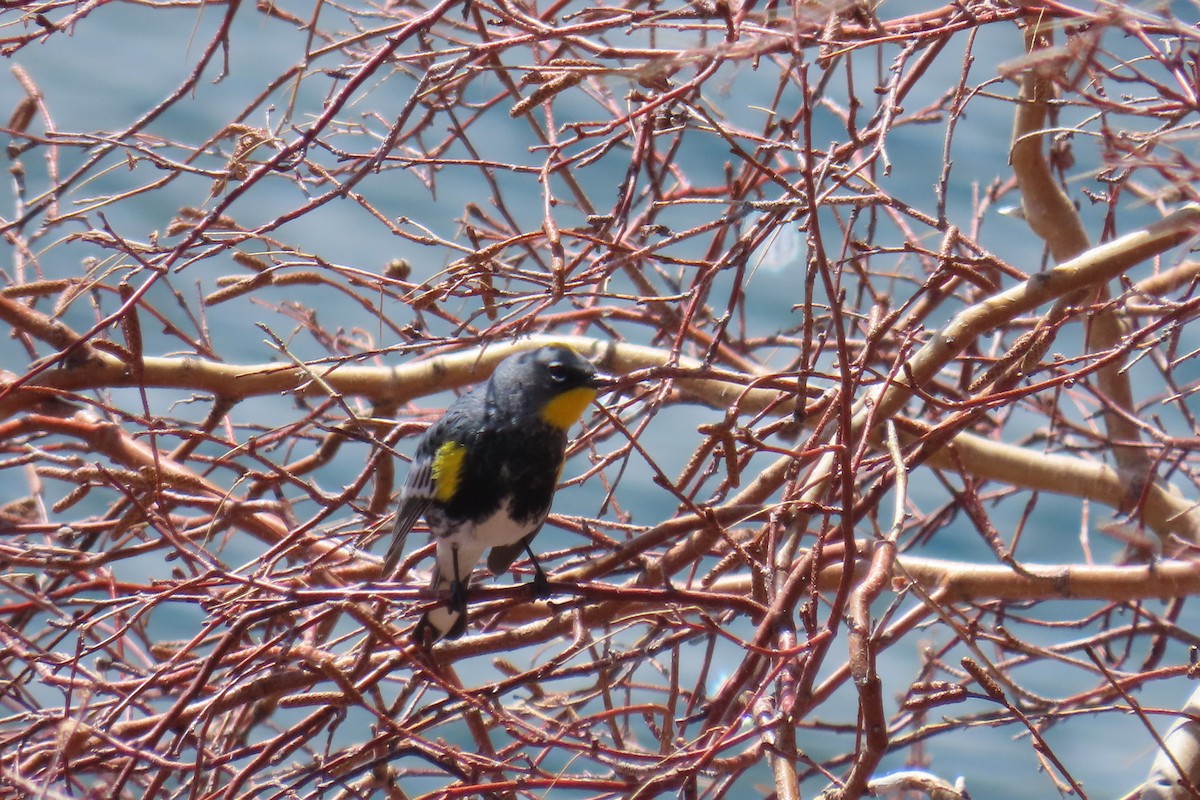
{"x": 602, "y": 382}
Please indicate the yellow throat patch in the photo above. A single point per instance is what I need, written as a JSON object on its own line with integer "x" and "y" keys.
{"x": 447, "y": 470}
{"x": 565, "y": 410}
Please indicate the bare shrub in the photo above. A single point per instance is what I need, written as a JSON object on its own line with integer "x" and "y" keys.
{"x": 895, "y": 474}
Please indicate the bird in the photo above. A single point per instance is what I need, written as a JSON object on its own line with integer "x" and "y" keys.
{"x": 485, "y": 473}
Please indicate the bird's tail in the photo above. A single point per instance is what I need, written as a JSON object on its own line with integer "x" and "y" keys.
{"x": 448, "y": 620}
{"x": 392, "y": 559}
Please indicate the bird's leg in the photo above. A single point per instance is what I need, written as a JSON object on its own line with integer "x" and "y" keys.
{"x": 458, "y": 588}
{"x": 540, "y": 584}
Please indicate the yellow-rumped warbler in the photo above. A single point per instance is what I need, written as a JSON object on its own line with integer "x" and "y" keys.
{"x": 485, "y": 473}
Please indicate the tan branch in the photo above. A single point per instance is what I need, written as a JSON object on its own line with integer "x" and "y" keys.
{"x": 1053, "y": 217}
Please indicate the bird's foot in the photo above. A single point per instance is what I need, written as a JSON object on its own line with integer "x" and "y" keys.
{"x": 540, "y": 585}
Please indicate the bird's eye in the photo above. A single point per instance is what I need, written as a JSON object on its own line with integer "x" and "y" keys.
{"x": 557, "y": 371}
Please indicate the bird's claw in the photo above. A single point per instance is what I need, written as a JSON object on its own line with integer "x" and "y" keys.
{"x": 540, "y": 586}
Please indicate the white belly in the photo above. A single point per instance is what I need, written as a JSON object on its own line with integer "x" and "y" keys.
{"x": 467, "y": 544}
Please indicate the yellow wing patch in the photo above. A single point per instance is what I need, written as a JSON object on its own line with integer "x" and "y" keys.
{"x": 565, "y": 410}
{"x": 447, "y": 470}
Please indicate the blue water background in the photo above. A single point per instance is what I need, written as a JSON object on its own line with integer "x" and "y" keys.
{"x": 114, "y": 67}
